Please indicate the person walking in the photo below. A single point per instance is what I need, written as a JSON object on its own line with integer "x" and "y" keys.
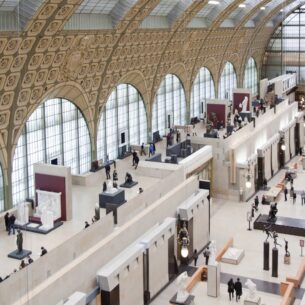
{"x": 134, "y": 155}
{"x": 238, "y": 289}
{"x": 142, "y": 152}
{"x": 294, "y": 197}
{"x": 256, "y": 202}
{"x": 303, "y": 197}
{"x": 6, "y": 220}
{"x": 107, "y": 169}
{"x": 206, "y": 254}
{"x": 136, "y": 161}
{"x": 195, "y": 257}
{"x": 285, "y": 193}
{"x": 231, "y": 289}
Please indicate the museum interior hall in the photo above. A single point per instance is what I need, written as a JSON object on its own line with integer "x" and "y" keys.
{"x": 152, "y": 152}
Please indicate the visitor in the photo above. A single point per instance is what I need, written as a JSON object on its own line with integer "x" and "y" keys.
{"x": 43, "y": 251}
{"x": 265, "y": 183}
{"x": 238, "y": 289}
{"x": 86, "y": 224}
{"x": 301, "y": 151}
{"x": 137, "y": 159}
{"x": 206, "y": 254}
{"x": 22, "y": 265}
{"x": 285, "y": 193}
{"x": 178, "y": 136}
{"x": 151, "y": 149}
{"x": 303, "y": 197}
{"x": 264, "y": 201}
{"x": 231, "y": 289}
{"x": 6, "y": 220}
{"x": 291, "y": 181}
{"x": 11, "y": 224}
{"x": 195, "y": 257}
{"x": 294, "y": 197}
{"x": 291, "y": 191}
{"x": 115, "y": 175}
{"x": 107, "y": 169}
{"x": 142, "y": 152}
{"x": 30, "y": 260}
{"x": 140, "y": 190}
{"x": 114, "y": 164}
{"x": 134, "y": 155}
{"x": 256, "y": 202}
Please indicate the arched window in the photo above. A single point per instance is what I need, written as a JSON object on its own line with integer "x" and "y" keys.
{"x": 169, "y": 105}
{"x": 123, "y": 122}
{"x": 55, "y": 133}
{"x": 202, "y": 90}
{"x": 1, "y": 190}
{"x": 250, "y": 80}
{"x": 228, "y": 81}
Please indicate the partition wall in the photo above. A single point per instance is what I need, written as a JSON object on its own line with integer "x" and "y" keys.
{"x": 55, "y": 133}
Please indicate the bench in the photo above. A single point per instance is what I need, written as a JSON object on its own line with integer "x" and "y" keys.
{"x": 287, "y": 292}
{"x": 227, "y": 245}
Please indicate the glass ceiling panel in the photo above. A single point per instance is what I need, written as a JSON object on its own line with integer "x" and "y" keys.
{"x": 8, "y": 5}
{"x": 97, "y": 6}
{"x": 211, "y": 11}
{"x": 282, "y": 14}
{"x": 164, "y": 7}
{"x": 243, "y": 9}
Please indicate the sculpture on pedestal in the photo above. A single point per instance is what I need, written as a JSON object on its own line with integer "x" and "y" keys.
{"x": 128, "y": 178}
{"x": 267, "y": 230}
{"x": 272, "y": 212}
{"x": 19, "y": 241}
{"x": 287, "y": 253}
{"x": 275, "y": 237}
{"x": 244, "y": 104}
{"x": 252, "y": 289}
{"x": 182, "y": 293}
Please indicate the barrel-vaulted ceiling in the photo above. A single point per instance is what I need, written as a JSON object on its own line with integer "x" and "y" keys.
{"x": 106, "y": 14}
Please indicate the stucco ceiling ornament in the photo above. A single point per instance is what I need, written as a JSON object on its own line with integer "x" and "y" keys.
{"x": 75, "y": 58}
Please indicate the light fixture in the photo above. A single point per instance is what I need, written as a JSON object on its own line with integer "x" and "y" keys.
{"x": 184, "y": 240}
{"x": 263, "y": 8}
{"x": 213, "y": 2}
{"x": 242, "y": 5}
{"x": 283, "y": 147}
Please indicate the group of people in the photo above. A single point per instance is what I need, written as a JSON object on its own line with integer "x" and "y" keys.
{"x": 9, "y": 223}
{"x": 206, "y": 253}
{"x": 235, "y": 287}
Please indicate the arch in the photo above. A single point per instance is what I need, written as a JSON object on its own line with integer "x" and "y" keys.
{"x": 2, "y": 199}
{"x": 169, "y": 100}
{"x": 251, "y": 76}
{"x": 227, "y": 82}
{"x": 55, "y": 132}
{"x": 123, "y": 122}
{"x": 203, "y": 88}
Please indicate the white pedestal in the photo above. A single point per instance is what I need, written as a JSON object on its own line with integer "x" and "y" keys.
{"x": 255, "y": 301}
{"x": 214, "y": 280}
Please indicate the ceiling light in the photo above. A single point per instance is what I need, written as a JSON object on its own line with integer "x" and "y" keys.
{"x": 242, "y": 5}
{"x": 263, "y": 8}
{"x": 282, "y": 10}
{"x": 213, "y": 2}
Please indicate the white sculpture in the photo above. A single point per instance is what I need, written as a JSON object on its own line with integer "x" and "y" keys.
{"x": 252, "y": 289}
{"x": 182, "y": 293}
{"x": 212, "y": 259}
{"x": 110, "y": 188}
{"x": 22, "y": 213}
{"x": 46, "y": 219}
{"x": 48, "y": 201}
{"x": 244, "y": 105}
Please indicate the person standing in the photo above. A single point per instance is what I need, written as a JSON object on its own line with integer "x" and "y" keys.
{"x": 142, "y": 152}
{"x": 206, "y": 254}
{"x": 11, "y": 224}
{"x": 195, "y": 257}
{"x": 238, "y": 289}
{"x": 134, "y": 154}
{"x": 86, "y": 224}
{"x": 43, "y": 251}
{"x": 303, "y": 197}
{"x": 107, "y": 169}
{"x": 115, "y": 175}
{"x": 6, "y": 220}
{"x": 231, "y": 289}
{"x": 285, "y": 193}
{"x": 256, "y": 202}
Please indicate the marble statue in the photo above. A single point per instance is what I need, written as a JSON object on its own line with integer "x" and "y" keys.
{"x": 244, "y": 104}
{"x": 110, "y": 189}
{"x": 19, "y": 241}
{"x": 212, "y": 246}
{"x": 47, "y": 219}
{"x": 252, "y": 289}
{"x": 182, "y": 293}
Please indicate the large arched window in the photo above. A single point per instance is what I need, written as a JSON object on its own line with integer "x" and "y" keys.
{"x": 123, "y": 122}
{"x": 1, "y": 190}
{"x": 202, "y": 90}
{"x": 169, "y": 105}
{"x": 286, "y": 49}
{"x": 250, "y": 80}
{"x": 228, "y": 81}
{"x": 55, "y": 133}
